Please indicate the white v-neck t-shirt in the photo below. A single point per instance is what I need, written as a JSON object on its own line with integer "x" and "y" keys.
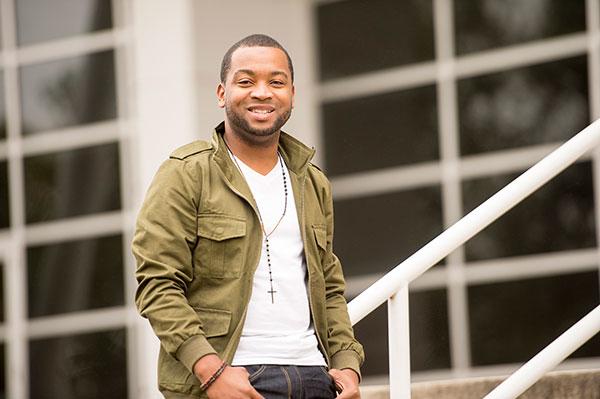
{"x": 278, "y": 332}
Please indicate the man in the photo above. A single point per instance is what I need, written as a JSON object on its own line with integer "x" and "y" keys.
{"x": 234, "y": 249}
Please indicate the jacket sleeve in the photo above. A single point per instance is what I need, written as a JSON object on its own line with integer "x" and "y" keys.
{"x": 345, "y": 350}
{"x": 163, "y": 244}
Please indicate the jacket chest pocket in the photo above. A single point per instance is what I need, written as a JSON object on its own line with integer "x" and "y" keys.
{"x": 221, "y": 249}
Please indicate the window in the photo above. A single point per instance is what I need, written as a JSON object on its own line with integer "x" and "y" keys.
{"x": 4, "y": 195}
{"x": 537, "y": 104}
{"x": 78, "y": 275}
{"x": 429, "y": 334}
{"x": 61, "y": 139}
{"x": 72, "y": 183}
{"x": 527, "y": 315}
{"x": 358, "y": 36}
{"x": 558, "y": 217}
{"x": 91, "y": 365}
{"x": 357, "y": 141}
{"x": 35, "y": 23}
{"x": 68, "y": 92}
{"x": 483, "y": 25}
{"x": 427, "y": 111}
{"x": 375, "y": 233}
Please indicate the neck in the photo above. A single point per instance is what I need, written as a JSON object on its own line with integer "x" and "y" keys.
{"x": 260, "y": 157}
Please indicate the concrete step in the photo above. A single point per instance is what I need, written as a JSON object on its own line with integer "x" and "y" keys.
{"x": 580, "y": 384}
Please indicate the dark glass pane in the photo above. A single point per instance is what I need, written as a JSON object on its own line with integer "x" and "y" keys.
{"x": 371, "y": 332}
{"x": 4, "y": 197}
{"x": 559, "y": 216}
{"x": 2, "y": 371}
{"x": 87, "y": 366}
{"x": 2, "y": 296}
{"x": 429, "y": 334}
{"x": 37, "y": 20}
{"x": 68, "y": 92}
{"x": 482, "y": 25}
{"x": 511, "y": 321}
{"x": 532, "y": 105}
{"x": 374, "y": 234}
{"x": 77, "y": 275}
{"x": 356, "y": 36}
{"x": 72, "y": 183}
{"x": 2, "y": 109}
{"x": 404, "y": 131}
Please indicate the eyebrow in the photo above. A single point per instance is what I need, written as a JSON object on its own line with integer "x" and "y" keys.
{"x": 252, "y": 73}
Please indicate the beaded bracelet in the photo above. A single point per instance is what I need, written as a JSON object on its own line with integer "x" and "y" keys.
{"x": 213, "y": 378}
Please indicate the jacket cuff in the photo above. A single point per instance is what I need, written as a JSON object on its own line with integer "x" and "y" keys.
{"x": 191, "y": 350}
{"x": 347, "y": 359}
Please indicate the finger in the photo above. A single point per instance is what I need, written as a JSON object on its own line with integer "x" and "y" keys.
{"x": 255, "y": 395}
{"x": 343, "y": 395}
{"x": 349, "y": 394}
{"x": 339, "y": 385}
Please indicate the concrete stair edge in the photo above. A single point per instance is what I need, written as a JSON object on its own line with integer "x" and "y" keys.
{"x": 575, "y": 384}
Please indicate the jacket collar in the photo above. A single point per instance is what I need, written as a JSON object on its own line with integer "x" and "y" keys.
{"x": 296, "y": 155}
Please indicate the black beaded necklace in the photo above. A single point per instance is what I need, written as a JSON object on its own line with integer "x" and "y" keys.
{"x": 262, "y": 225}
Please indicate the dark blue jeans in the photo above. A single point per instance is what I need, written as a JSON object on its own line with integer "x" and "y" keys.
{"x": 292, "y": 382}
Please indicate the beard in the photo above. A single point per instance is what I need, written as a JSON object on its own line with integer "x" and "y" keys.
{"x": 242, "y": 126}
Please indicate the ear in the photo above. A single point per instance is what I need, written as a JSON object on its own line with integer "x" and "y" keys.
{"x": 221, "y": 95}
{"x": 293, "y": 94}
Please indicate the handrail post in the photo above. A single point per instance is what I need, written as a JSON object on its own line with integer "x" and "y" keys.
{"x": 399, "y": 344}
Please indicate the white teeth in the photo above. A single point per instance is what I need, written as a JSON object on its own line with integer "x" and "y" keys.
{"x": 262, "y": 111}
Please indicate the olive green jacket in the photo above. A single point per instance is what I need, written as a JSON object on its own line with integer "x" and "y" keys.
{"x": 197, "y": 244}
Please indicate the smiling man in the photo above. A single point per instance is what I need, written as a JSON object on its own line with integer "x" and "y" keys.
{"x": 236, "y": 271}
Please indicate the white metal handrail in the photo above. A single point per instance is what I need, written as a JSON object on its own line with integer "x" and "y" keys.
{"x": 393, "y": 287}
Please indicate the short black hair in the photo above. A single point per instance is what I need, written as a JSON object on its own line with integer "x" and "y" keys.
{"x": 256, "y": 40}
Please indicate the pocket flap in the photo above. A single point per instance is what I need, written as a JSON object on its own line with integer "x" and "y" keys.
{"x": 320, "y": 235}
{"x": 220, "y": 227}
{"x": 215, "y": 322}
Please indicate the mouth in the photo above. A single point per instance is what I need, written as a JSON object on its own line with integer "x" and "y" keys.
{"x": 261, "y": 109}
{"x": 261, "y": 112}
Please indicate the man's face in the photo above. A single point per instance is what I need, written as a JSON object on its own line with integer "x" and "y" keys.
{"x": 258, "y": 93}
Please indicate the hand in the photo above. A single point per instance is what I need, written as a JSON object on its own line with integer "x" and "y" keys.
{"x": 231, "y": 384}
{"x": 346, "y": 381}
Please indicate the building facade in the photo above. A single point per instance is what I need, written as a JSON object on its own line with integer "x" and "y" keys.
{"x": 419, "y": 110}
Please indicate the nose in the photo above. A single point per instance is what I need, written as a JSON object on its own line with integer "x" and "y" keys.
{"x": 261, "y": 91}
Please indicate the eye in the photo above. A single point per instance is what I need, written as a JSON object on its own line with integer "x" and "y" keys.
{"x": 278, "y": 83}
{"x": 244, "y": 82}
